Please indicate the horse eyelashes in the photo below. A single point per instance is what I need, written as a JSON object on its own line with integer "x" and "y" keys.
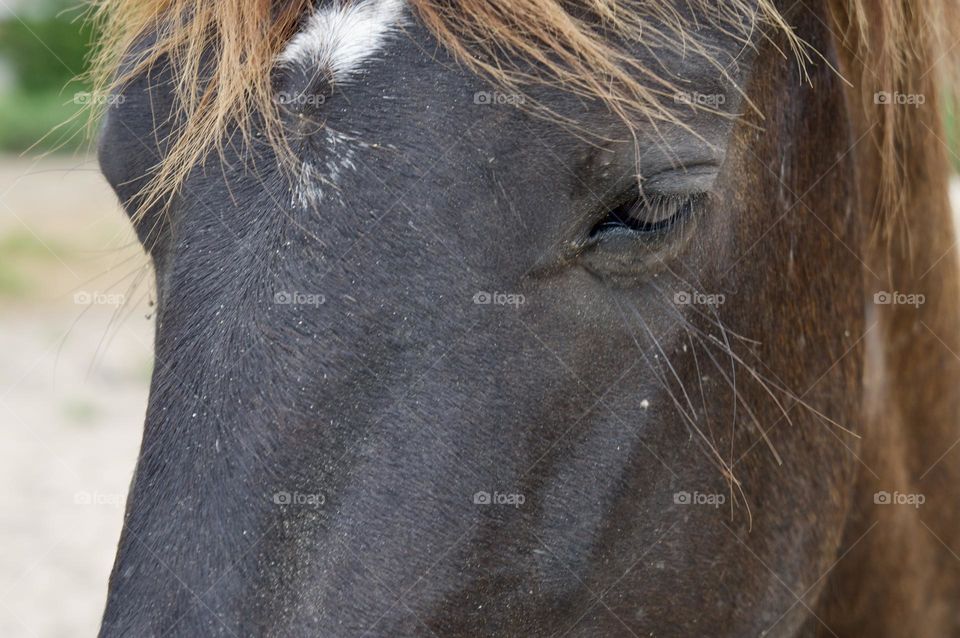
{"x": 648, "y": 213}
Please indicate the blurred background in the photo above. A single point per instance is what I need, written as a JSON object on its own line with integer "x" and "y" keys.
{"x": 75, "y": 334}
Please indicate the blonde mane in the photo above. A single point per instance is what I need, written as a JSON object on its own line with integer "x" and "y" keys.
{"x": 222, "y": 55}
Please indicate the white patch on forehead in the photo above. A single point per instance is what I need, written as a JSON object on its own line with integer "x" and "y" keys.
{"x": 313, "y": 180}
{"x": 339, "y": 36}
{"x": 316, "y": 181}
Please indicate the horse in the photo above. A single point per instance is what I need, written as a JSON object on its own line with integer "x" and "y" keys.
{"x": 541, "y": 318}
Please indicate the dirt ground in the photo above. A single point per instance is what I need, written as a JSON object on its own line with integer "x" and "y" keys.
{"x": 75, "y": 359}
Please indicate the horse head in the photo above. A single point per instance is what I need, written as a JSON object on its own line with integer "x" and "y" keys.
{"x": 539, "y": 318}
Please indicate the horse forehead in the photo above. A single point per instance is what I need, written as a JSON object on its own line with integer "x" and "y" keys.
{"x": 340, "y": 35}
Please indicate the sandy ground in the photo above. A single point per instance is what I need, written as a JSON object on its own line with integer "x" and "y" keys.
{"x": 75, "y": 358}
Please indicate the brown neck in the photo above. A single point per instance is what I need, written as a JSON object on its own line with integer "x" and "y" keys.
{"x": 902, "y": 573}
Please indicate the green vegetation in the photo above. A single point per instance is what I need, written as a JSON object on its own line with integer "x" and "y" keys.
{"x": 31, "y": 120}
{"x": 80, "y": 411}
{"x": 22, "y": 253}
{"x": 44, "y": 52}
{"x": 953, "y": 133}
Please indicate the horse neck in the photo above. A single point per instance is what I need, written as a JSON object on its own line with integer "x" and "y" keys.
{"x": 902, "y": 569}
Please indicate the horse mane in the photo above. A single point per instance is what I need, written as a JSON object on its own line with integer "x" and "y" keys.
{"x": 905, "y": 47}
{"x": 222, "y": 55}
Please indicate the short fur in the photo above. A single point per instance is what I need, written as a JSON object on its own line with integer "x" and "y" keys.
{"x": 352, "y": 346}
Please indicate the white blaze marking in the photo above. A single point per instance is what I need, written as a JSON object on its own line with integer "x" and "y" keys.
{"x": 335, "y": 42}
{"x": 314, "y": 180}
{"x": 341, "y": 35}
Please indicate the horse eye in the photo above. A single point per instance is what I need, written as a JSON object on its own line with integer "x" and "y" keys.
{"x": 648, "y": 213}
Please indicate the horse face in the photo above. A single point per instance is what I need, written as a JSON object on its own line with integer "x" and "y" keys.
{"x": 456, "y": 376}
